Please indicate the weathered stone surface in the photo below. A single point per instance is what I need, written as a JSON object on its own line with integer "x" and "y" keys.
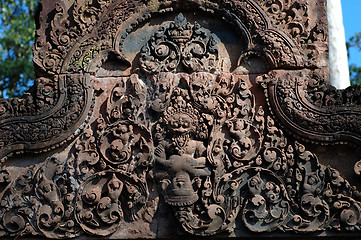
{"x": 154, "y": 119}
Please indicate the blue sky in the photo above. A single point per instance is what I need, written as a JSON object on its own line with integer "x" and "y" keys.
{"x": 351, "y": 10}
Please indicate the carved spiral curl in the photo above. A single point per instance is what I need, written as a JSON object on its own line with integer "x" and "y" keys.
{"x": 13, "y": 221}
{"x": 99, "y": 208}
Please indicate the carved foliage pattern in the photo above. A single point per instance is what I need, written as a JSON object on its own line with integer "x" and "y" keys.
{"x": 299, "y": 98}
{"x": 294, "y": 16}
{"x": 219, "y": 160}
{"x": 50, "y": 52}
{"x": 280, "y": 50}
{"x": 97, "y": 24}
{"x": 60, "y": 112}
{"x": 180, "y": 42}
{"x": 108, "y": 198}
{"x": 217, "y": 157}
{"x": 298, "y": 19}
{"x": 216, "y": 170}
{"x": 93, "y": 190}
{"x": 61, "y": 51}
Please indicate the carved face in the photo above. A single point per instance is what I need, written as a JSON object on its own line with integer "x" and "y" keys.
{"x": 181, "y": 191}
{"x": 239, "y": 125}
{"x": 181, "y": 123}
{"x": 123, "y": 129}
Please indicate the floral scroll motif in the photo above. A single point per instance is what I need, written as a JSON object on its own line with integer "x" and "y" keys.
{"x": 219, "y": 161}
{"x": 211, "y": 166}
{"x": 108, "y": 199}
{"x": 180, "y": 43}
{"x": 176, "y": 137}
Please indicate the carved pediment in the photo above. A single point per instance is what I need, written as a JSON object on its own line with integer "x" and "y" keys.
{"x": 169, "y": 118}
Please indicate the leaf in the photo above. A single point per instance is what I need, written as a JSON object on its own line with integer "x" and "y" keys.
{"x": 17, "y": 32}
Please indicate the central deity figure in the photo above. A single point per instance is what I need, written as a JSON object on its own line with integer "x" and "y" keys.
{"x": 181, "y": 155}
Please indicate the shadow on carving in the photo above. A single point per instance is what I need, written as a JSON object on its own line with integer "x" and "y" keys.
{"x": 172, "y": 124}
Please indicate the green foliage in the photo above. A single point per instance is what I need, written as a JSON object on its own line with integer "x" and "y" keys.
{"x": 355, "y": 71}
{"x": 355, "y": 74}
{"x": 17, "y": 30}
{"x": 355, "y": 41}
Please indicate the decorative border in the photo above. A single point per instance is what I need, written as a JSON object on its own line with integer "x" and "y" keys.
{"x": 64, "y": 103}
{"x": 310, "y": 109}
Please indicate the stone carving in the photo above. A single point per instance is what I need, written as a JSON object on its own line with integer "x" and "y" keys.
{"x": 296, "y": 17}
{"x": 302, "y": 97}
{"x": 180, "y": 42}
{"x": 100, "y": 209}
{"x": 47, "y": 116}
{"x": 148, "y": 127}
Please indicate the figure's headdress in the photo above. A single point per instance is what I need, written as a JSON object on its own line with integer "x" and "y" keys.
{"x": 180, "y": 112}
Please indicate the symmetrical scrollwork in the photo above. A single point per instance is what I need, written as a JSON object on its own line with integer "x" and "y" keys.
{"x": 180, "y": 42}
{"x": 159, "y": 129}
{"x": 192, "y": 149}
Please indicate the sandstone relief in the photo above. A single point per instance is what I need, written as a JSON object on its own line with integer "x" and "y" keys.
{"x": 153, "y": 119}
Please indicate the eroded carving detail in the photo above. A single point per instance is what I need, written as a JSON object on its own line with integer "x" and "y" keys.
{"x": 47, "y": 116}
{"x": 304, "y": 103}
{"x": 107, "y": 199}
{"x": 180, "y": 134}
{"x": 180, "y": 42}
{"x": 296, "y": 18}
